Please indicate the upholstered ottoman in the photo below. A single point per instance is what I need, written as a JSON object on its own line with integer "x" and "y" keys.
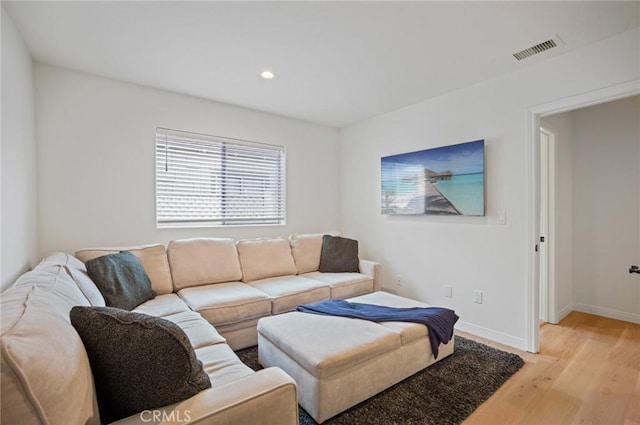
{"x": 338, "y": 362}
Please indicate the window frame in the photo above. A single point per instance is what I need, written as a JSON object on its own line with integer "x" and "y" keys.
{"x": 219, "y": 142}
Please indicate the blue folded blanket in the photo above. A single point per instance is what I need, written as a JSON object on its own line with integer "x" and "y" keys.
{"x": 439, "y": 321}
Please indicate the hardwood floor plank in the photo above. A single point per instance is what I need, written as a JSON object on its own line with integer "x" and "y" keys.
{"x": 509, "y": 414}
{"x": 633, "y": 414}
{"x": 587, "y": 372}
{"x": 626, "y": 351}
{"x": 555, "y": 407}
{"x": 586, "y": 365}
{"x": 609, "y": 398}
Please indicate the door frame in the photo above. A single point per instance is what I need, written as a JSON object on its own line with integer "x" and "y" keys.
{"x": 548, "y": 310}
{"x": 532, "y": 194}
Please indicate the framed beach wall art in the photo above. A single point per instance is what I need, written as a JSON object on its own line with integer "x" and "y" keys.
{"x": 448, "y": 180}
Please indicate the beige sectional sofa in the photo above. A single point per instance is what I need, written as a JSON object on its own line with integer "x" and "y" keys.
{"x": 216, "y": 290}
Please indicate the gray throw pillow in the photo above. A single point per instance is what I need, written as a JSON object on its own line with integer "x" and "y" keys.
{"x": 339, "y": 255}
{"x": 121, "y": 279}
{"x": 139, "y": 362}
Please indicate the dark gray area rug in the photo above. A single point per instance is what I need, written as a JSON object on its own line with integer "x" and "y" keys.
{"x": 442, "y": 394}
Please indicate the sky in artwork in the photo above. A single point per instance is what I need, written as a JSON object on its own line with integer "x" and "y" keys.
{"x": 463, "y": 158}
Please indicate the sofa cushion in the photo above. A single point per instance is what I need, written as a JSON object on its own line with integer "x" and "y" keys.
{"x": 86, "y": 285}
{"x": 264, "y": 258}
{"x": 201, "y": 261}
{"x": 139, "y": 362}
{"x": 56, "y": 265}
{"x": 44, "y": 363}
{"x": 344, "y": 285}
{"x": 198, "y": 330}
{"x": 56, "y": 281}
{"x": 152, "y": 257}
{"x": 223, "y": 365}
{"x": 339, "y": 255}
{"x": 53, "y": 279}
{"x": 306, "y": 251}
{"x": 121, "y": 280}
{"x": 162, "y": 305}
{"x": 76, "y": 270}
{"x": 225, "y": 303}
{"x": 59, "y": 259}
{"x": 287, "y": 292}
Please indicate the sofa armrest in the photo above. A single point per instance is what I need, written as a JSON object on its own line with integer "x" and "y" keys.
{"x": 371, "y": 268}
{"x": 267, "y": 397}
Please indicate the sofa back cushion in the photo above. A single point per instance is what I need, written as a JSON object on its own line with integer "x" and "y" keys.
{"x": 51, "y": 276}
{"x": 202, "y": 261}
{"x": 306, "y": 251}
{"x": 152, "y": 257}
{"x": 77, "y": 271}
{"x": 46, "y": 376}
{"x": 59, "y": 259}
{"x": 86, "y": 285}
{"x": 264, "y": 258}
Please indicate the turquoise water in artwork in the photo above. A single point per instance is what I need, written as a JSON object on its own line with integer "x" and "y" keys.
{"x": 465, "y": 192}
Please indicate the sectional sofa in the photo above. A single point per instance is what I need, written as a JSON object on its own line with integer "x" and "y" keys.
{"x": 233, "y": 284}
{"x": 215, "y": 290}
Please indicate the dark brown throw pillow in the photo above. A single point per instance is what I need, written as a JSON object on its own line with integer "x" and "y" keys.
{"x": 121, "y": 279}
{"x": 339, "y": 255}
{"x": 139, "y": 362}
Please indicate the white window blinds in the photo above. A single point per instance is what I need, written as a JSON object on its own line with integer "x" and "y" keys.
{"x": 207, "y": 180}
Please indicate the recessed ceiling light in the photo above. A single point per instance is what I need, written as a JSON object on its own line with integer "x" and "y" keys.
{"x": 267, "y": 75}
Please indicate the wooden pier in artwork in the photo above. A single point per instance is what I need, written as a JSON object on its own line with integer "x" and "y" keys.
{"x": 433, "y": 202}
{"x": 436, "y": 203}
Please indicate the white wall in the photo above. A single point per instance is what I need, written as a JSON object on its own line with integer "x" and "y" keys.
{"x": 96, "y": 175}
{"x": 18, "y": 227}
{"x": 470, "y": 253}
{"x": 606, "y": 208}
{"x": 560, "y": 125}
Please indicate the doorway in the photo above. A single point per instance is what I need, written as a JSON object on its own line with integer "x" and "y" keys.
{"x": 533, "y": 191}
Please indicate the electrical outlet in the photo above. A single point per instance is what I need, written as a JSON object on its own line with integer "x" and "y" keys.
{"x": 477, "y": 296}
{"x": 448, "y": 291}
{"x": 398, "y": 280}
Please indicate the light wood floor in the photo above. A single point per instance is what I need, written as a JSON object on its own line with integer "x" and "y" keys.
{"x": 587, "y": 372}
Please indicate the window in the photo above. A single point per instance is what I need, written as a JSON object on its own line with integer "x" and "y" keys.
{"x": 207, "y": 180}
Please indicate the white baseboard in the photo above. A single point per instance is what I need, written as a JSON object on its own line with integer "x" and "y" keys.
{"x": 607, "y": 312}
{"x": 496, "y": 336}
{"x": 565, "y": 311}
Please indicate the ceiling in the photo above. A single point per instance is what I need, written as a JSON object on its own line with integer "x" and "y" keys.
{"x": 335, "y": 63}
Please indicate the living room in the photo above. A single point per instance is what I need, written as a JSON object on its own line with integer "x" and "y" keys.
{"x": 78, "y": 160}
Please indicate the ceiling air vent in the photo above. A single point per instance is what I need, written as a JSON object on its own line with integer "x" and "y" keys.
{"x": 534, "y": 50}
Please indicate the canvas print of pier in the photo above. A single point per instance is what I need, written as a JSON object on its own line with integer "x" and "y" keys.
{"x": 448, "y": 180}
